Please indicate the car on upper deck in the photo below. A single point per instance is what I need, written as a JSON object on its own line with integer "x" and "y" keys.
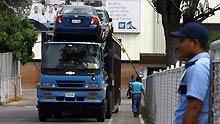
{"x": 77, "y": 23}
{"x": 106, "y": 21}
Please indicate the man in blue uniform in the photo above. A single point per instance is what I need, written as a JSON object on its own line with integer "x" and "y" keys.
{"x": 192, "y": 107}
{"x": 137, "y": 88}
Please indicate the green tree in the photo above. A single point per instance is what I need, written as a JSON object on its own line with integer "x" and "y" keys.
{"x": 172, "y": 11}
{"x": 215, "y": 35}
{"x": 17, "y": 34}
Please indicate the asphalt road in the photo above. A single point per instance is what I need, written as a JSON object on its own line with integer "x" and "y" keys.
{"x": 25, "y": 112}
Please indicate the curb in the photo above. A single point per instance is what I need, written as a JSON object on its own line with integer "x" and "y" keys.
{"x": 11, "y": 99}
{"x": 141, "y": 119}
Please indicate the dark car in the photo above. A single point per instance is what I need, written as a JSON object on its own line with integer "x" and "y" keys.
{"x": 95, "y": 3}
{"x": 77, "y": 23}
{"x": 106, "y": 21}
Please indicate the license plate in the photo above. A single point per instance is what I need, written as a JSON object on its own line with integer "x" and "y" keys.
{"x": 91, "y": 98}
{"x": 70, "y": 95}
{"x": 49, "y": 97}
{"x": 76, "y": 21}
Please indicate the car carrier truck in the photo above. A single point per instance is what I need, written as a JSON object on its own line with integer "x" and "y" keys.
{"x": 80, "y": 78}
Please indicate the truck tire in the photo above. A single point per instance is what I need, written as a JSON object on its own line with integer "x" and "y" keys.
{"x": 109, "y": 105}
{"x": 101, "y": 115}
{"x": 42, "y": 116}
{"x": 57, "y": 115}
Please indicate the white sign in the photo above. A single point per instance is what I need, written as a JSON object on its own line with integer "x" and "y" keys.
{"x": 125, "y": 15}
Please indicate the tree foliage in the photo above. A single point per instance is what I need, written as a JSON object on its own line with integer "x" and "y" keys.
{"x": 172, "y": 11}
{"x": 17, "y": 34}
{"x": 215, "y": 35}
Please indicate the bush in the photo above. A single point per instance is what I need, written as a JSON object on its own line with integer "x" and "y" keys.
{"x": 215, "y": 35}
{"x": 148, "y": 119}
{"x": 17, "y": 35}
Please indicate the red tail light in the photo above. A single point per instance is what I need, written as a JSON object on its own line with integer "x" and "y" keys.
{"x": 95, "y": 20}
{"x": 58, "y": 19}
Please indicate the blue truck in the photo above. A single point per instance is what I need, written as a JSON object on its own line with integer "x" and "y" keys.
{"x": 79, "y": 78}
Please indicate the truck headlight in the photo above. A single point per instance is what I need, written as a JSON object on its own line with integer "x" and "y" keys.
{"x": 92, "y": 86}
{"x": 49, "y": 85}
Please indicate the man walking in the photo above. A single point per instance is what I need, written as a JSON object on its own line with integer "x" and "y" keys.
{"x": 137, "y": 88}
{"x": 192, "y": 107}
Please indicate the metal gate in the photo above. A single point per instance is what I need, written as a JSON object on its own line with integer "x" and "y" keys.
{"x": 214, "y": 108}
{"x": 10, "y": 81}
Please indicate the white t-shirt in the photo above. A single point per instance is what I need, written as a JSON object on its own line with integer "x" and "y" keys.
{"x": 43, "y": 18}
{"x": 35, "y": 16}
{"x": 51, "y": 17}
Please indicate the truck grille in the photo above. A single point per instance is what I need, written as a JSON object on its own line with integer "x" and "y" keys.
{"x": 60, "y": 98}
{"x": 70, "y": 84}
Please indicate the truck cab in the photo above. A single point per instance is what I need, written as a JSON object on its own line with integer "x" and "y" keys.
{"x": 72, "y": 80}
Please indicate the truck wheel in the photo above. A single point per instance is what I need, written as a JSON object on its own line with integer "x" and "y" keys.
{"x": 109, "y": 105}
{"x": 49, "y": 115}
{"x": 42, "y": 116}
{"x": 101, "y": 115}
{"x": 57, "y": 115}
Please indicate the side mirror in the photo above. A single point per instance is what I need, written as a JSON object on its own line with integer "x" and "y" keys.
{"x": 110, "y": 19}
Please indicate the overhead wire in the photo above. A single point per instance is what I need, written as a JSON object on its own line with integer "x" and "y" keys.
{"x": 124, "y": 51}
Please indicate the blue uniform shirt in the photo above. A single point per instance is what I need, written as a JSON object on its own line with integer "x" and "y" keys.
{"x": 137, "y": 87}
{"x": 196, "y": 78}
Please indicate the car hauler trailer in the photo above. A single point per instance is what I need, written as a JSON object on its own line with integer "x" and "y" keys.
{"x": 80, "y": 78}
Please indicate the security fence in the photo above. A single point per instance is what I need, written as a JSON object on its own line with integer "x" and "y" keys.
{"x": 214, "y": 114}
{"x": 161, "y": 93}
{"x": 10, "y": 81}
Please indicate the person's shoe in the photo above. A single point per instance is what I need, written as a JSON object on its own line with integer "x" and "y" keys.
{"x": 135, "y": 114}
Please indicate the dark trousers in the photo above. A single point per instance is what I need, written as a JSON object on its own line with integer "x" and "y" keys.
{"x": 129, "y": 92}
{"x": 136, "y": 100}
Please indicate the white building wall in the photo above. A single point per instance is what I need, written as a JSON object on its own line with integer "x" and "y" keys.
{"x": 149, "y": 36}
{"x": 215, "y": 18}
{"x": 159, "y": 38}
{"x": 37, "y": 47}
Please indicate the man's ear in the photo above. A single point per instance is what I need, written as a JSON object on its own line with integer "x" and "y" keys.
{"x": 196, "y": 43}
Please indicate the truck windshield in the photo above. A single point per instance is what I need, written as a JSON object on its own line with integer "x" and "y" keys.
{"x": 71, "y": 56}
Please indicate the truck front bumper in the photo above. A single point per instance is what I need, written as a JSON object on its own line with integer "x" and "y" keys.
{"x": 46, "y": 96}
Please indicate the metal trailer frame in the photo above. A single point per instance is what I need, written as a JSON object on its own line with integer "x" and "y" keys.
{"x": 113, "y": 68}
